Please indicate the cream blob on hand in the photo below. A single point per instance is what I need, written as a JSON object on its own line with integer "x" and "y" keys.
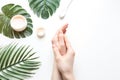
{"x": 18, "y": 23}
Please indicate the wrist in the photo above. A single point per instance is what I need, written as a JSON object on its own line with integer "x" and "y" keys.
{"x": 56, "y": 75}
{"x": 68, "y": 76}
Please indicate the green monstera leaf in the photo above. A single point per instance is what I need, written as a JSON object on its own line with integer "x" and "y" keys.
{"x": 17, "y": 62}
{"x": 44, "y": 8}
{"x": 8, "y": 11}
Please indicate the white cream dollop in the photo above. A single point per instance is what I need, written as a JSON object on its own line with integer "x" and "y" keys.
{"x": 40, "y": 32}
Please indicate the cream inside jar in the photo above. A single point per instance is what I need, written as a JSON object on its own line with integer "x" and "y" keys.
{"x": 18, "y": 23}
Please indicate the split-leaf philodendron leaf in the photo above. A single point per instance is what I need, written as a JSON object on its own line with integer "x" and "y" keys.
{"x": 44, "y": 8}
{"x": 17, "y": 62}
{"x": 8, "y": 11}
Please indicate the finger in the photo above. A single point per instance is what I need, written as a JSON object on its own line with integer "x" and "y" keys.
{"x": 63, "y": 28}
{"x": 62, "y": 43}
{"x": 55, "y": 39}
{"x": 56, "y": 50}
{"x": 61, "y": 38}
{"x": 68, "y": 45}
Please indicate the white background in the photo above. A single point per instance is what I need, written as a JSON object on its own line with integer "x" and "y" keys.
{"x": 94, "y": 32}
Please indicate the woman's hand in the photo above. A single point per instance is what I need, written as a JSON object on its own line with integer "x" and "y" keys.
{"x": 64, "y": 54}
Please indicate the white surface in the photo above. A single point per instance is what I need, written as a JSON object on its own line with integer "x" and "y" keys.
{"x": 94, "y": 32}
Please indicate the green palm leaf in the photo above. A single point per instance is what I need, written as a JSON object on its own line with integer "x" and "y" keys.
{"x": 17, "y": 62}
{"x": 44, "y": 8}
{"x": 9, "y": 11}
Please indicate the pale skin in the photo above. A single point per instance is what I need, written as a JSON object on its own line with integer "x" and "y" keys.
{"x": 63, "y": 56}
